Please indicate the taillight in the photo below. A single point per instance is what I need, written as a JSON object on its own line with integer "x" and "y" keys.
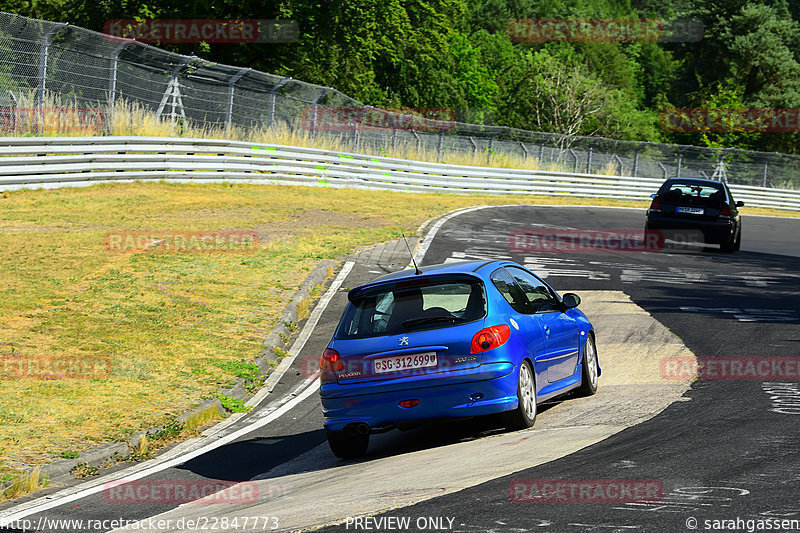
{"x": 331, "y": 360}
{"x": 726, "y": 212}
{"x": 490, "y": 338}
{"x": 655, "y": 205}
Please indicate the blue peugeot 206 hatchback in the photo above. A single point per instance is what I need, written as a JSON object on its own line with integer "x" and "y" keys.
{"x": 450, "y": 341}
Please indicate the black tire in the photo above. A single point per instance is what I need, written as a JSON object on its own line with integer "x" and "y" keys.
{"x": 647, "y": 237}
{"x": 738, "y": 244}
{"x": 524, "y": 415}
{"x": 590, "y": 371}
{"x": 729, "y": 245}
{"x": 346, "y": 446}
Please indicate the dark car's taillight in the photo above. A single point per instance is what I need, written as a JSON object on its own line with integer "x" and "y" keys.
{"x": 331, "y": 361}
{"x": 655, "y": 205}
{"x": 490, "y": 338}
{"x": 725, "y": 212}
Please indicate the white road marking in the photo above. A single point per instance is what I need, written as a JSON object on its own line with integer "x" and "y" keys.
{"x": 749, "y": 315}
{"x": 260, "y": 419}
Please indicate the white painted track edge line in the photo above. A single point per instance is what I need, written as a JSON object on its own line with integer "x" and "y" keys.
{"x": 305, "y": 334}
{"x": 303, "y": 391}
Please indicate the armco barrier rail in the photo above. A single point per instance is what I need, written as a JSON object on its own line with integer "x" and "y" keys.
{"x": 37, "y": 162}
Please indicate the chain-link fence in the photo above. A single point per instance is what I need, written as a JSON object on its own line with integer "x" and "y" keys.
{"x": 95, "y": 70}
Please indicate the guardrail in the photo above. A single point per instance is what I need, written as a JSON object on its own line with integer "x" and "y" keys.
{"x": 46, "y": 162}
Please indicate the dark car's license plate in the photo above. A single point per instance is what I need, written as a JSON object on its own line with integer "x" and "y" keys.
{"x": 691, "y": 210}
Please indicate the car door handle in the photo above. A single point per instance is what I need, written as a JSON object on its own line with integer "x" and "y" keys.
{"x": 547, "y": 330}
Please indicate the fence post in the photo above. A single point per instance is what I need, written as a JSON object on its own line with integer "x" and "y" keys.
{"x": 524, "y": 150}
{"x": 112, "y": 84}
{"x": 14, "y": 114}
{"x": 663, "y": 169}
{"x": 229, "y": 110}
{"x": 571, "y": 152}
{"x": 364, "y": 110}
{"x": 541, "y": 147}
{"x": 273, "y": 94}
{"x": 766, "y": 168}
{"x": 314, "y": 107}
{"x": 43, "y": 53}
{"x": 589, "y": 156}
{"x": 173, "y": 90}
{"x": 619, "y": 160}
{"x": 636, "y": 158}
{"x": 419, "y": 141}
{"x": 680, "y": 159}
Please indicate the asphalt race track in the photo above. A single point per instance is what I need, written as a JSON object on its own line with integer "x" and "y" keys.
{"x": 716, "y": 449}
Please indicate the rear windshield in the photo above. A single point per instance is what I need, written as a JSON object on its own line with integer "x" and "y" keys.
{"x": 681, "y": 191}
{"x": 399, "y": 309}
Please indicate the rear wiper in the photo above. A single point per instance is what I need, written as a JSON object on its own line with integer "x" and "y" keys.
{"x": 431, "y": 320}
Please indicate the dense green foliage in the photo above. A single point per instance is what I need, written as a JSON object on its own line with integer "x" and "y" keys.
{"x": 458, "y": 53}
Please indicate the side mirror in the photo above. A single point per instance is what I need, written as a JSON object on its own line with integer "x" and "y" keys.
{"x": 739, "y": 203}
{"x": 653, "y": 195}
{"x": 571, "y": 300}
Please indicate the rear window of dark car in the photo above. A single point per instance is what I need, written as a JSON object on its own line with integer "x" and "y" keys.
{"x": 400, "y": 308}
{"x": 687, "y": 191}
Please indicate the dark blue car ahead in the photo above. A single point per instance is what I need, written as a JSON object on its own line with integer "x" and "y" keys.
{"x": 453, "y": 340}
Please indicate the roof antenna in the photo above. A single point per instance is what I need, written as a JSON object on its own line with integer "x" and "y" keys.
{"x": 417, "y": 271}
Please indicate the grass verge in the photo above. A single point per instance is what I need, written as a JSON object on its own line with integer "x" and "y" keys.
{"x": 169, "y": 329}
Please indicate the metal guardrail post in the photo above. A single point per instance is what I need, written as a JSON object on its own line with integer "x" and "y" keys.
{"x": 273, "y": 94}
{"x": 229, "y": 109}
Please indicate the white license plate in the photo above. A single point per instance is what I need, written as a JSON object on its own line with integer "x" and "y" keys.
{"x": 691, "y": 210}
{"x": 404, "y": 362}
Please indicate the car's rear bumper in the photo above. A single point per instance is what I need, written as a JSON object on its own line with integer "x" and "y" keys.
{"x": 361, "y": 402}
{"x": 688, "y": 230}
